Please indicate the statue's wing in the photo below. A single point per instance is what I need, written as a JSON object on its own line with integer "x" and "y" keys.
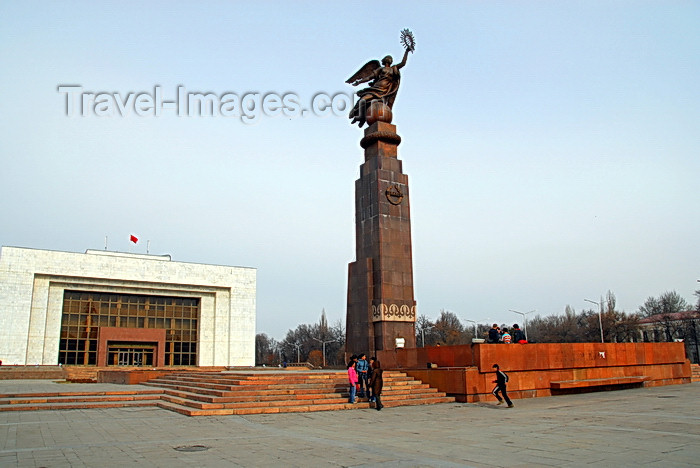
{"x": 364, "y": 72}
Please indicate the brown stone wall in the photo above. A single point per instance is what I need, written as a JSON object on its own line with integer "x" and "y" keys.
{"x": 129, "y": 377}
{"x": 31, "y": 372}
{"x": 418, "y": 358}
{"x": 576, "y": 355}
{"x": 533, "y": 367}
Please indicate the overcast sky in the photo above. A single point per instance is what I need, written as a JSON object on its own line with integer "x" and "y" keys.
{"x": 552, "y": 148}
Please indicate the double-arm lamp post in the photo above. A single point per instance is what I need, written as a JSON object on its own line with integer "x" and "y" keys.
{"x": 324, "y": 348}
{"x": 474, "y": 322}
{"x": 600, "y": 318}
{"x": 422, "y": 333}
{"x": 524, "y": 314}
{"x": 298, "y": 346}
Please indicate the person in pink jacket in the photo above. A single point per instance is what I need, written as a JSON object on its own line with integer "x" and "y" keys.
{"x": 352, "y": 377}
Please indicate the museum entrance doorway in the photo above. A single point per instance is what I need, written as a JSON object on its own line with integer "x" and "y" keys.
{"x": 92, "y": 319}
{"x": 131, "y": 354}
{"x": 131, "y": 347}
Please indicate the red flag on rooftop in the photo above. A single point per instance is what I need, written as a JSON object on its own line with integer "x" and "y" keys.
{"x": 134, "y": 239}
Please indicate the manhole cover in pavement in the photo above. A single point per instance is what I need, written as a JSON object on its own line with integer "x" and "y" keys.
{"x": 191, "y": 448}
{"x": 667, "y": 396}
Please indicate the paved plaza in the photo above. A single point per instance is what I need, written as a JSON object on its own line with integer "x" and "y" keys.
{"x": 640, "y": 427}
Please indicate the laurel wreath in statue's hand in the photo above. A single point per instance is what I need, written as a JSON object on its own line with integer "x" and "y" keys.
{"x": 407, "y": 40}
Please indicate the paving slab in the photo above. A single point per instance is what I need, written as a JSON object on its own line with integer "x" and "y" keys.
{"x": 657, "y": 426}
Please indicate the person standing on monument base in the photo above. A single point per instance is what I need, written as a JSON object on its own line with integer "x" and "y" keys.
{"x": 501, "y": 381}
{"x": 352, "y": 378}
{"x": 518, "y": 335}
{"x": 494, "y": 335}
{"x": 505, "y": 337}
{"x": 377, "y": 382}
{"x": 362, "y": 369}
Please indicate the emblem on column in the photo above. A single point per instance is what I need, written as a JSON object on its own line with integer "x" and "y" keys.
{"x": 394, "y": 195}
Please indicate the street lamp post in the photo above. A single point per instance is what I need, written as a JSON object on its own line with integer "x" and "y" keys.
{"x": 524, "y": 314}
{"x": 422, "y": 333}
{"x": 474, "y": 322}
{"x": 324, "y": 348}
{"x": 298, "y": 346}
{"x": 600, "y": 318}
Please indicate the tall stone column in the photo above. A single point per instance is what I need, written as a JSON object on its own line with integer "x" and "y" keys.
{"x": 381, "y": 305}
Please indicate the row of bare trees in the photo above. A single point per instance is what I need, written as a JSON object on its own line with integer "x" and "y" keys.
{"x": 572, "y": 326}
{"x": 306, "y": 343}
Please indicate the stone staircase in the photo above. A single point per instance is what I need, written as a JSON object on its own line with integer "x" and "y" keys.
{"x": 695, "y": 372}
{"x": 226, "y": 393}
{"x": 196, "y": 394}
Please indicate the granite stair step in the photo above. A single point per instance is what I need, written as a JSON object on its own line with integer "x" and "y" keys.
{"x": 189, "y": 411}
{"x": 82, "y": 404}
{"x": 695, "y": 372}
{"x": 253, "y": 404}
{"x": 229, "y": 387}
{"x": 76, "y": 399}
{"x": 96, "y": 393}
{"x": 249, "y": 396}
{"x": 238, "y": 391}
{"x": 344, "y": 405}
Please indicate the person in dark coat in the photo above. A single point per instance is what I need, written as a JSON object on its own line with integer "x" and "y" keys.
{"x": 518, "y": 335}
{"x": 494, "y": 334}
{"x": 376, "y": 383}
{"x": 369, "y": 377}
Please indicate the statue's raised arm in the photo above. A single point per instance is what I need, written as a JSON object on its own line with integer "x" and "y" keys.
{"x": 384, "y": 81}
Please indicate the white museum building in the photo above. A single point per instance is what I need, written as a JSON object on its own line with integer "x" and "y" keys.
{"x": 103, "y": 308}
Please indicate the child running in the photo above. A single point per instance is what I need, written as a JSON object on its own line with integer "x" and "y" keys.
{"x": 501, "y": 381}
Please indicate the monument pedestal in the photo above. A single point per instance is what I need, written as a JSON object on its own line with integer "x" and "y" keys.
{"x": 381, "y": 306}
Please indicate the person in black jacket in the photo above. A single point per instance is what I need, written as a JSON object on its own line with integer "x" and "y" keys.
{"x": 494, "y": 334}
{"x": 376, "y": 383}
{"x": 518, "y": 335}
{"x": 501, "y": 380}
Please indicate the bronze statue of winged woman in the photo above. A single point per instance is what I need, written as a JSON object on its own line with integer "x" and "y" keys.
{"x": 383, "y": 81}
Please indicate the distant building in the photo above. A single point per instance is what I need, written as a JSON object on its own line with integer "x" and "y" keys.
{"x": 678, "y": 326}
{"x": 105, "y": 308}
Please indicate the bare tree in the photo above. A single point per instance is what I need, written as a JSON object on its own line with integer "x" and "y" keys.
{"x": 298, "y": 343}
{"x": 691, "y": 335}
{"x": 449, "y": 329}
{"x": 584, "y": 326}
{"x": 266, "y": 350}
{"x": 668, "y": 303}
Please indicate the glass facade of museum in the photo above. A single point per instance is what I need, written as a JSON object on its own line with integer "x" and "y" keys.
{"x": 84, "y": 313}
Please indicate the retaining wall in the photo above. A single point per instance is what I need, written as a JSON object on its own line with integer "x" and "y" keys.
{"x": 466, "y": 372}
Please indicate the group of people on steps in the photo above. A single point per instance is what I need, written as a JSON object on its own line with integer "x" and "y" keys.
{"x": 366, "y": 379}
